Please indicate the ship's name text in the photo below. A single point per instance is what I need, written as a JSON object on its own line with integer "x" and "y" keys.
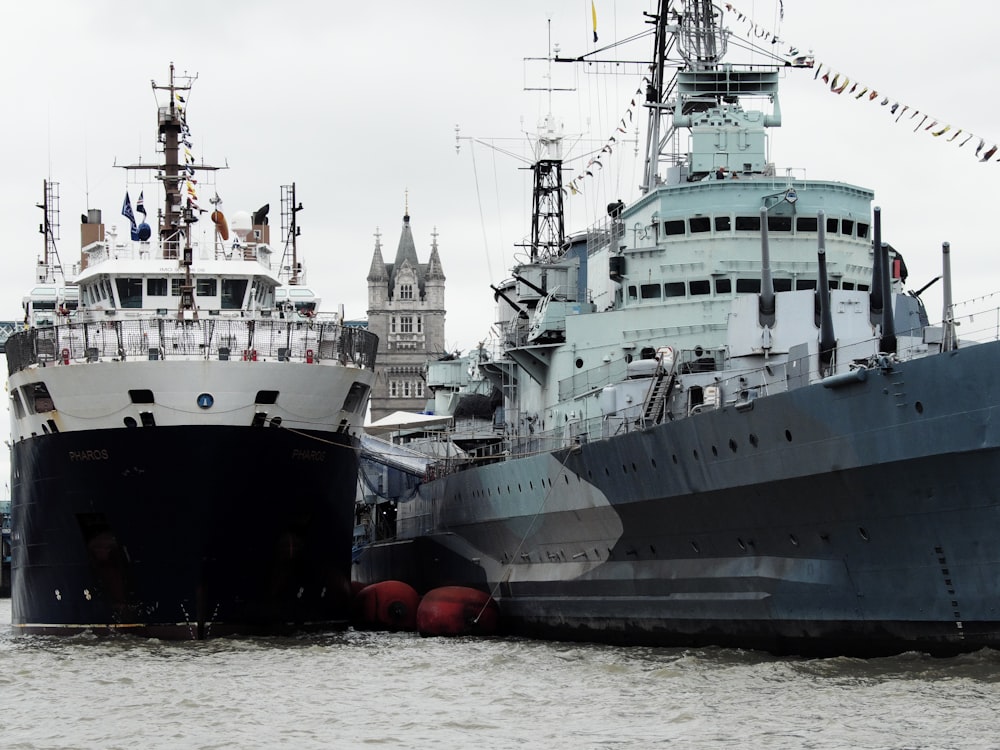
{"x": 101, "y": 454}
{"x": 303, "y": 455}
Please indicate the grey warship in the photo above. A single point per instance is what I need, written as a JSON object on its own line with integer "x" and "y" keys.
{"x": 725, "y": 419}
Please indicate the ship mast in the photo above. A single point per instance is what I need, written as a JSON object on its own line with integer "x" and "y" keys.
{"x": 49, "y": 265}
{"x": 548, "y": 231}
{"x": 178, "y": 214}
{"x": 291, "y": 230}
{"x": 179, "y": 211}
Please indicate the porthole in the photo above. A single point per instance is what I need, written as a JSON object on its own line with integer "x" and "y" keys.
{"x": 793, "y": 540}
{"x": 863, "y": 533}
{"x": 673, "y": 456}
{"x": 753, "y": 440}
{"x": 740, "y": 544}
{"x": 694, "y": 546}
{"x": 732, "y": 445}
{"x": 579, "y": 363}
{"x": 653, "y": 461}
{"x": 788, "y": 436}
{"x": 715, "y": 451}
{"x": 130, "y": 422}
{"x": 919, "y": 407}
{"x": 695, "y": 452}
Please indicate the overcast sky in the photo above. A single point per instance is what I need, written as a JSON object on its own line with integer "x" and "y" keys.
{"x": 357, "y": 104}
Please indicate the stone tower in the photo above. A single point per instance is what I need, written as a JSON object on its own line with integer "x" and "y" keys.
{"x": 406, "y": 311}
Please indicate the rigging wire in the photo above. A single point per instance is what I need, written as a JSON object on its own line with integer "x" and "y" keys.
{"x": 482, "y": 219}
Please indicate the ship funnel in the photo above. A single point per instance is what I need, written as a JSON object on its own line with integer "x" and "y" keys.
{"x": 765, "y": 304}
{"x": 827, "y": 341}
{"x": 948, "y": 342}
{"x": 875, "y": 302}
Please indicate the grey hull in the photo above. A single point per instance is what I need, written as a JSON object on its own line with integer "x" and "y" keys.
{"x": 862, "y": 518}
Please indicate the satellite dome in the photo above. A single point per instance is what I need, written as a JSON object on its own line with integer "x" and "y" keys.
{"x": 240, "y": 224}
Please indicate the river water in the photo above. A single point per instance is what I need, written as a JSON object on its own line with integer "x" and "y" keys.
{"x": 354, "y": 689}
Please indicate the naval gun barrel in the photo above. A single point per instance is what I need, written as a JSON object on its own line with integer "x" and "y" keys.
{"x": 765, "y": 303}
{"x": 875, "y": 301}
{"x": 827, "y": 341}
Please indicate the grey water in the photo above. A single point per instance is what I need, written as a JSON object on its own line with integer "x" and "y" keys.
{"x": 380, "y": 690}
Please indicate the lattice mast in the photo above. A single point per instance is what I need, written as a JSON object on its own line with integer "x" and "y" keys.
{"x": 49, "y": 265}
{"x": 290, "y": 266}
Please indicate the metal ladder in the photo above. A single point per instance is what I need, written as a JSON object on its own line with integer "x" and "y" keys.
{"x": 656, "y": 398}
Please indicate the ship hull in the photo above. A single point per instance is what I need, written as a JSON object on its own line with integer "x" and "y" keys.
{"x": 858, "y": 519}
{"x": 182, "y": 532}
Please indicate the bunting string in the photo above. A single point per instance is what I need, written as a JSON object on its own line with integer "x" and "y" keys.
{"x": 842, "y": 85}
{"x": 190, "y": 181}
{"x": 575, "y": 186}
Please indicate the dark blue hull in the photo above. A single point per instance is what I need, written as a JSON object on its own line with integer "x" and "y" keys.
{"x": 860, "y": 519}
{"x": 182, "y": 532}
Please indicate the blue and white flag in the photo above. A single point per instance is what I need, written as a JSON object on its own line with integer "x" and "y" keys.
{"x": 140, "y": 206}
{"x": 127, "y": 213}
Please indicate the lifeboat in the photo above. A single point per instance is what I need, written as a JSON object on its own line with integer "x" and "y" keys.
{"x": 457, "y": 610}
{"x": 386, "y": 605}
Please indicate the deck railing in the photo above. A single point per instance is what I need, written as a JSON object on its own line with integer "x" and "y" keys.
{"x": 163, "y": 339}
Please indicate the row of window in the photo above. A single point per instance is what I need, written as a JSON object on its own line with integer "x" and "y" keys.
{"x": 701, "y": 224}
{"x": 406, "y": 323}
{"x": 725, "y": 286}
{"x": 406, "y": 388}
{"x": 130, "y": 291}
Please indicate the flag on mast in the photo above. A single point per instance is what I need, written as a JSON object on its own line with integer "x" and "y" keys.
{"x": 127, "y": 213}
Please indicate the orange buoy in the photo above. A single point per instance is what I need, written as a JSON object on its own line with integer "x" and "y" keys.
{"x": 457, "y": 610}
{"x": 221, "y": 225}
{"x": 386, "y": 605}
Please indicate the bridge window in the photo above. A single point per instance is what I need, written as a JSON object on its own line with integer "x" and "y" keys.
{"x": 779, "y": 223}
{"x": 156, "y": 287}
{"x": 700, "y": 224}
{"x": 175, "y": 287}
{"x": 748, "y": 286}
{"x": 206, "y": 287}
{"x": 723, "y": 286}
{"x": 650, "y": 291}
{"x": 847, "y": 227}
{"x": 723, "y": 224}
{"x": 862, "y": 230}
{"x": 673, "y": 227}
{"x": 233, "y": 292}
{"x": 833, "y": 226}
{"x": 747, "y": 224}
{"x": 805, "y": 224}
{"x": 675, "y": 289}
{"x": 700, "y": 287}
{"x": 130, "y": 292}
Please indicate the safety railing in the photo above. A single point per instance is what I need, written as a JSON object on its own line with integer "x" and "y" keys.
{"x": 163, "y": 339}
